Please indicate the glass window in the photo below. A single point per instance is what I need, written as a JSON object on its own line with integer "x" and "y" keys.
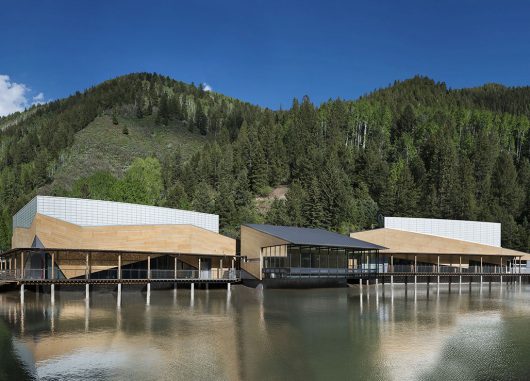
{"x": 294, "y": 255}
{"x": 306, "y": 257}
{"x": 315, "y": 258}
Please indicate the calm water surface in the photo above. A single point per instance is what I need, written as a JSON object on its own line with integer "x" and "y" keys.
{"x": 254, "y": 334}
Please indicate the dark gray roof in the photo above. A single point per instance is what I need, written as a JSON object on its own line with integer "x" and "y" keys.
{"x": 313, "y": 237}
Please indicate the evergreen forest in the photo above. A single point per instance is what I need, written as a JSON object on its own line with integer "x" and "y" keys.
{"x": 415, "y": 148}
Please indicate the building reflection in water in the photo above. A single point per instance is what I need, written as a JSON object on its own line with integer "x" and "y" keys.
{"x": 385, "y": 332}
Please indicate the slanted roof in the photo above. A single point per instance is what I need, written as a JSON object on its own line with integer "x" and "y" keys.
{"x": 313, "y": 237}
{"x": 404, "y": 242}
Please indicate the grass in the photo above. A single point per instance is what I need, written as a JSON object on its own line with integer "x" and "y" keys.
{"x": 102, "y": 146}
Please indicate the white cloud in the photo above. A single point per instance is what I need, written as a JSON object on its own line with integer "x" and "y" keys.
{"x": 207, "y": 87}
{"x": 38, "y": 99}
{"x": 14, "y": 96}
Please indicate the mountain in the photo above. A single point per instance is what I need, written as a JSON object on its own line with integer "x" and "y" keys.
{"x": 414, "y": 148}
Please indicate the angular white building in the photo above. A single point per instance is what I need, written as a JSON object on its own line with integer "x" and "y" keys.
{"x": 485, "y": 233}
{"x": 83, "y": 212}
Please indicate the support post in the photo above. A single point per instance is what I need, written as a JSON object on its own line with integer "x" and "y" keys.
{"x": 438, "y": 271}
{"x": 392, "y": 263}
{"x": 460, "y": 270}
{"x": 221, "y": 266}
{"x": 89, "y": 264}
{"x": 86, "y": 266}
{"x": 119, "y": 266}
{"x": 361, "y": 284}
{"x": 148, "y": 267}
{"x": 53, "y": 264}
{"x": 228, "y": 286}
{"x": 199, "y": 268}
{"x": 175, "y": 268}
{"x": 118, "y": 301}
{"x": 22, "y": 265}
{"x": 415, "y": 270}
{"x": 87, "y": 291}
{"x": 52, "y": 293}
{"x": 22, "y": 293}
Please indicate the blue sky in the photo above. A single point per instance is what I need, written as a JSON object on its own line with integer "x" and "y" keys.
{"x": 264, "y": 52}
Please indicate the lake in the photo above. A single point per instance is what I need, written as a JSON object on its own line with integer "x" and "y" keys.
{"x": 385, "y": 333}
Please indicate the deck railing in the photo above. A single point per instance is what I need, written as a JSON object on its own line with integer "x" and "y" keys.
{"x": 303, "y": 272}
{"x": 407, "y": 269}
{"x": 126, "y": 274}
{"x": 8, "y": 274}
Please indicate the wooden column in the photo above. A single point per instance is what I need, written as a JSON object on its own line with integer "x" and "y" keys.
{"x": 53, "y": 265}
{"x": 119, "y": 266}
{"x": 87, "y": 260}
{"x": 148, "y": 267}
{"x": 22, "y": 265}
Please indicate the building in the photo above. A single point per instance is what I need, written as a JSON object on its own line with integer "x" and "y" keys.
{"x": 434, "y": 245}
{"x": 69, "y": 238}
{"x": 279, "y": 255}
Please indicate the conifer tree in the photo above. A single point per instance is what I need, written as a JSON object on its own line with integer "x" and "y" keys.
{"x": 201, "y": 121}
{"x": 313, "y": 209}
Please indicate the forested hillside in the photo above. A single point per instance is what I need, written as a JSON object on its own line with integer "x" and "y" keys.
{"x": 415, "y": 148}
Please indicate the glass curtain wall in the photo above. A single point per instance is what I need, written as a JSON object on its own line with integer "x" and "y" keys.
{"x": 288, "y": 261}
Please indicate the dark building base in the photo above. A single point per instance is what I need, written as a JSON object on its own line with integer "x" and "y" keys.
{"x": 305, "y": 283}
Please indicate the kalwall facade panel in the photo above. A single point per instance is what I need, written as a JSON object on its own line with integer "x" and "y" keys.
{"x": 84, "y": 212}
{"x": 486, "y": 233}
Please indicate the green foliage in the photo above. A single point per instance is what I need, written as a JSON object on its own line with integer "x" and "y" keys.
{"x": 141, "y": 184}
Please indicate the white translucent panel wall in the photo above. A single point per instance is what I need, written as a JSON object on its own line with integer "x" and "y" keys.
{"x": 24, "y": 216}
{"x": 486, "y": 233}
{"x": 104, "y": 213}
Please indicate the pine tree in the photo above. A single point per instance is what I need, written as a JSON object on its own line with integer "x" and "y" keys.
{"x": 201, "y": 121}
{"x": 295, "y": 199}
{"x": 163, "y": 111}
{"x": 277, "y": 214}
{"x": 177, "y": 197}
{"x": 114, "y": 118}
{"x": 313, "y": 209}
{"x": 139, "y": 107}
